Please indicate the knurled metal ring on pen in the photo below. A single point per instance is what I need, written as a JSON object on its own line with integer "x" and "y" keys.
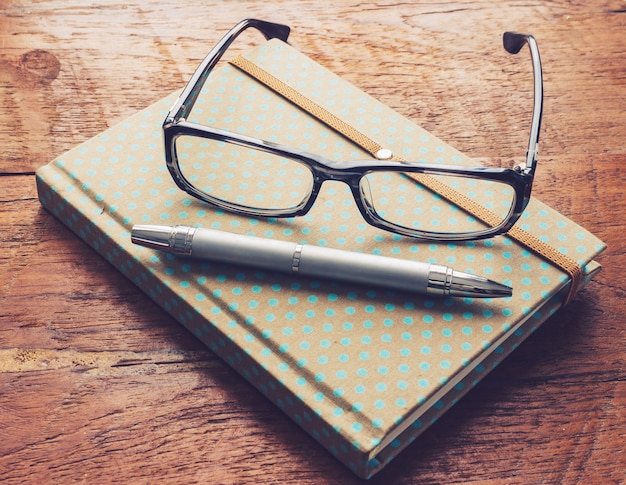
{"x": 297, "y": 254}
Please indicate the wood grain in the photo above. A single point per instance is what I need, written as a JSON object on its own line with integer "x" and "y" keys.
{"x": 97, "y": 385}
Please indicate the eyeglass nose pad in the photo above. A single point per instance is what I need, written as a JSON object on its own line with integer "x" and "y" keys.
{"x": 366, "y": 193}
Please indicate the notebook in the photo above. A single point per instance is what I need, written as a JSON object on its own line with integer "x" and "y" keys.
{"x": 364, "y": 370}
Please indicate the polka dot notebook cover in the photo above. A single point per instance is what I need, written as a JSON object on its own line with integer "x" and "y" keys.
{"x": 363, "y": 370}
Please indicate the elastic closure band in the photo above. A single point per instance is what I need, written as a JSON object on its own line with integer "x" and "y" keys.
{"x": 536, "y": 245}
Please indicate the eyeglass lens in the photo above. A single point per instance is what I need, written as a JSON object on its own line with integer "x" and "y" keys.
{"x": 249, "y": 178}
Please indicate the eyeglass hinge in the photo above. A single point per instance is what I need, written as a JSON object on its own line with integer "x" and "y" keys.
{"x": 170, "y": 121}
{"x": 523, "y": 167}
{"x": 520, "y": 167}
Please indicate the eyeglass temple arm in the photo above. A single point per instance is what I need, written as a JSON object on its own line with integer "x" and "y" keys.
{"x": 188, "y": 97}
{"x": 513, "y": 43}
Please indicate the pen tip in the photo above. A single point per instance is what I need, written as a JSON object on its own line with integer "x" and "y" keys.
{"x": 464, "y": 284}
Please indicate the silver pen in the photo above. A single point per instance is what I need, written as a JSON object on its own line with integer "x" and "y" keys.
{"x": 316, "y": 261}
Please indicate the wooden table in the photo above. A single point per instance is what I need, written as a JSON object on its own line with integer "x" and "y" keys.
{"x": 98, "y": 385}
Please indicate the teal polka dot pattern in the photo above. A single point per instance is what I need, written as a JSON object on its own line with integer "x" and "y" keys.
{"x": 364, "y": 370}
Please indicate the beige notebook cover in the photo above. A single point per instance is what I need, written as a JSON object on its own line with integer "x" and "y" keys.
{"x": 363, "y": 370}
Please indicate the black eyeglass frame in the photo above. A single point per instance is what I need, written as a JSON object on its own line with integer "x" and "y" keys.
{"x": 520, "y": 178}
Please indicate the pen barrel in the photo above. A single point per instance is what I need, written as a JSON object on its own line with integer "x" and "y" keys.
{"x": 363, "y": 268}
{"x": 313, "y": 261}
{"x": 237, "y": 249}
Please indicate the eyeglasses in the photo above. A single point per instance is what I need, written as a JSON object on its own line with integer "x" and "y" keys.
{"x": 255, "y": 177}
